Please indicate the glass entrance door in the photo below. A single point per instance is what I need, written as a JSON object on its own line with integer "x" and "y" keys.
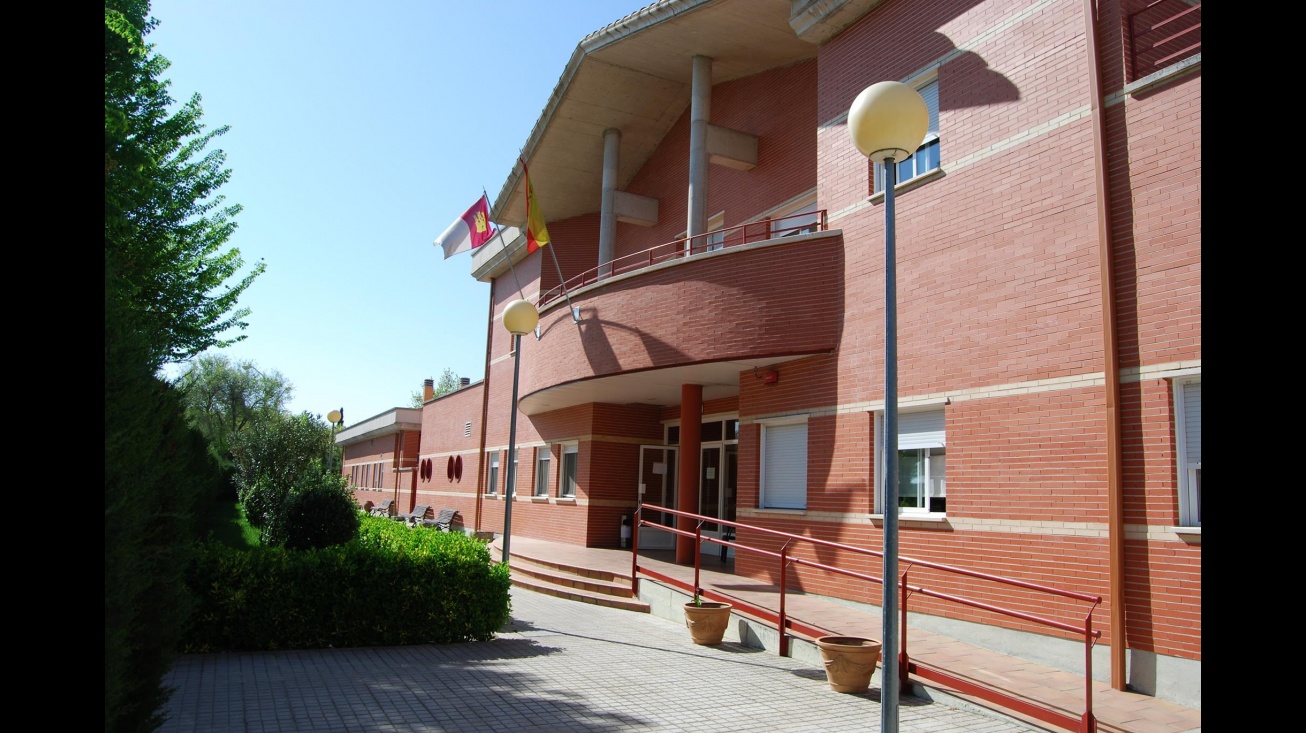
{"x": 709, "y": 486}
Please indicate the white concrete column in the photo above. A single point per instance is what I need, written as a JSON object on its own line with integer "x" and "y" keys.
{"x": 608, "y": 210}
{"x": 700, "y": 112}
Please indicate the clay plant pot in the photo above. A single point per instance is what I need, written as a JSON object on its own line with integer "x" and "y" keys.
{"x": 707, "y": 621}
{"x": 849, "y": 661}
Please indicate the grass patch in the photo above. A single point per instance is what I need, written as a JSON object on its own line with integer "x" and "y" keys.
{"x": 225, "y": 522}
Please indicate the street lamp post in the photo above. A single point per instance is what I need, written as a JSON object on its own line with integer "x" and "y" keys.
{"x": 888, "y": 121}
{"x": 336, "y": 418}
{"x": 519, "y": 317}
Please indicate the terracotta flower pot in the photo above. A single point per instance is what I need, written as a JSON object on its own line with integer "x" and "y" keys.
{"x": 707, "y": 622}
{"x": 849, "y": 661}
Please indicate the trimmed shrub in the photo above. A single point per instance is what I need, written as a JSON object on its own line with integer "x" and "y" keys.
{"x": 319, "y": 512}
{"x": 392, "y": 585}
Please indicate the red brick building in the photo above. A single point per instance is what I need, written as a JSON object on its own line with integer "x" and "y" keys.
{"x": 722, "y": 246}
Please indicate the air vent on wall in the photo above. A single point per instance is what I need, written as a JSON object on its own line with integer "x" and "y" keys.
{"x": 467, "y": 430}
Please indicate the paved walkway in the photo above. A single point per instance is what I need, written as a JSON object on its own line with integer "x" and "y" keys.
{"x": 559, "y": 666}
{"x": 1115, "y": 710}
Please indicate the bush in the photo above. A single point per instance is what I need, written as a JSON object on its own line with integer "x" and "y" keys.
{"x": 392, "y": 585}
{"x": 271, "y": 458}
{"x": 319, "y": 512}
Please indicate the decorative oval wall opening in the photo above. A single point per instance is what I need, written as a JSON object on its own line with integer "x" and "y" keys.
{"x": 458, "y": 468}
{"x": 448, "y": 470}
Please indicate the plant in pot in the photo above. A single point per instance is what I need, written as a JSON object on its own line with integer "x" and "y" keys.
{"x": 707, "y": 620}
{"x": 849, "y": 661}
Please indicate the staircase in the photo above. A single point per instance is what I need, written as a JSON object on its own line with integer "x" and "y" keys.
{"x": 575, "y": 583}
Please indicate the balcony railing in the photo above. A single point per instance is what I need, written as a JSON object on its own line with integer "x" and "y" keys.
{"x": 686, "y": 247}
{"x": 1163, "y": 32}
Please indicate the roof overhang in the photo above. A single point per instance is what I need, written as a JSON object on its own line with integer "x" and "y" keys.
{"x": 391, "y": 422}
{"x": 635, "y": 76}
{"x": 659, "y": 387}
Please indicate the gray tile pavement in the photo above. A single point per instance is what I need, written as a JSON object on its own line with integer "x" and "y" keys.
{"x": 559, "y": 666}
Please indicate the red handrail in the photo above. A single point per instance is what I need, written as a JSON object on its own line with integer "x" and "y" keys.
{"x": 784, "y": 625}
{"x": 685, "y": 247}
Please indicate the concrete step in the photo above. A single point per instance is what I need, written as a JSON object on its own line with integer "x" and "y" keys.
{"x": 586, "y": 585}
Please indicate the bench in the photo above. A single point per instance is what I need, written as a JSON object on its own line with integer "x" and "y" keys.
{"x": 442, "y": 520}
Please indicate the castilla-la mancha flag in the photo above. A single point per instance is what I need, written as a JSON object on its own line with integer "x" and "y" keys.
{"x": 537, "y": 234}
{"x": 469, "y": 231}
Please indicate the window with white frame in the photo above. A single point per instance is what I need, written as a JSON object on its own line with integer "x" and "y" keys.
{"x": 784, "y": 463}
{"x": 922, "y": 464}
{"x": 542, "y": 456}
{"x": 713, "y": 240}
{"x": 926, "y": 157}
{"x": 567, "y": 478}
{"x": 1188, "y": 441}
{"x": 798, "y": 218}
{"x": 492, "y": 475}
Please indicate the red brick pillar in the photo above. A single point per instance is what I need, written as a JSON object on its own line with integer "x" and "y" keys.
{"x": 691, "y": 452}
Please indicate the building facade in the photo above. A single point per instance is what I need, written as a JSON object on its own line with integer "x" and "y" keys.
{"x": 713, "y": 303}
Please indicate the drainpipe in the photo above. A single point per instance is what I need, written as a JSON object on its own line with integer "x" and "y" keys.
{"x": 608, "y": 210}
{"x": 700, "y": 111}
{"x": 1111, "y": 359}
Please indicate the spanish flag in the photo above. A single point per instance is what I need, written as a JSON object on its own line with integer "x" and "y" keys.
{"x": 537, "y": 234}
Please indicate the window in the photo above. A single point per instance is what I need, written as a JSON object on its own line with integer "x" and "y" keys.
{"x": 922, "y": 464}
{"x": 567, "y": 481}
{"x": 378, "y": 480}
{"x": 784, "y": 464}
{"x": 926, "y": 157}
{"x": 515, "y": 473}
{"x": 1188, "y": 441}
{"x": 714, "y": 240}
{"x": 800, "y": 218}
{"x": 492, "y": 478}
{"x": 542, "y": 456}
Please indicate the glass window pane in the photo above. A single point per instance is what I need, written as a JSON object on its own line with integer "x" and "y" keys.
{"x": 567, "y": 481}
{"x": 732, "y": 430}
{"x": 938, "y": 480}
{"x": 673, "y": 435}
{"x": 911, "y": 478}
{"x": 711, "y": 431}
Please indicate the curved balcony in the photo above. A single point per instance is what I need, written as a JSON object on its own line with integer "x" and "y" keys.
{"x": 696, "y": 314}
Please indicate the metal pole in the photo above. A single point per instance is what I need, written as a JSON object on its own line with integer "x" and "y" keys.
{"x": 889, "y": 682}
{"x": 512, "y": 450}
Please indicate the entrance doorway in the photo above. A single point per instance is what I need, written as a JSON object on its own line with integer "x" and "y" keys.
{"x": 657, "y": 487}
{"x": 717, "y": 481}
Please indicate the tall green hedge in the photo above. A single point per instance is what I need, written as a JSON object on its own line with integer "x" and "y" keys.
{"x": 156, "y": 469}
{"x": 393, "y": 585}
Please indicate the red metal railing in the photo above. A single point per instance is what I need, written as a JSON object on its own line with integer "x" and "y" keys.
{"x": 757, "y": 231}
{"x": 1161, "y": 33}
{"x": 1086, "y": 723}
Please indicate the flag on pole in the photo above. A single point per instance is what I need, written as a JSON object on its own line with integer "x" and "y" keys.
{"x": 537, "y": 234}
{"x": 468, "y": 231}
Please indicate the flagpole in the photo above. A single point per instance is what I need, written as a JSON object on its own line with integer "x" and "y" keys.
{"x": 562, "y": 282}
{"x": 505, "y": 249}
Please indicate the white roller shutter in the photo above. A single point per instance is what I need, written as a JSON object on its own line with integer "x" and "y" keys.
{"x": 921, "y": 430}
{"x": 1193, "y": 422}
{"x": 784, "y": 466}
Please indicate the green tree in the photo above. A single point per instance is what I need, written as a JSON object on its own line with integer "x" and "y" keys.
{"x": 271, "y": 458}
{"x": 170, "y": 292}
{"x": 165, "y": 224}
{"x": 224, "y": 397}
{"x": 448, "y": 383}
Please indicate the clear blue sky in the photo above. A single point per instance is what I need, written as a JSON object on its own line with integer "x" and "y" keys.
{"x": 359, "y": 132}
